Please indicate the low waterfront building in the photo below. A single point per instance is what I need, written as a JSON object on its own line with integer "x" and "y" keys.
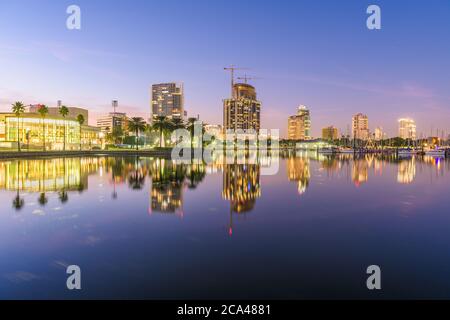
{"x": 33, "y": 131}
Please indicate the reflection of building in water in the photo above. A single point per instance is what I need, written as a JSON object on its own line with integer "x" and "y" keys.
{"x": 241, "y": 186}
{"x": 167, "y": 187}
{"x": 47, "y": 174}
{"x": 298, "y": 170}
{"x": 406, "y": 171}
{"x": 360, "y": 171}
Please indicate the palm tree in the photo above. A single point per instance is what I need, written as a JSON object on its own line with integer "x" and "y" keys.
{"x": 80, "y": 119}
{"x": 64, "y": 111}
{"x": 161, "y": 124}
{"x": 191, "y": 129}
{"x": 18, "y": 108}
{"x": 43, "y": 111}
{"x": 137, "y": 124}
{"x": 177, "y": 123}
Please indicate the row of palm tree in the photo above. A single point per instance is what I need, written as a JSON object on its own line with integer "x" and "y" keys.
{"x": 161, "y": 124}
{"x": 18, "y": 108}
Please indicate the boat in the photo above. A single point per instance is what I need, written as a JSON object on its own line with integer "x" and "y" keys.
{"x": 407, "y": 152}
{"x": 436, "y": 152}
{"x": 347, "y": 150}
{"x": 329, "y": 150}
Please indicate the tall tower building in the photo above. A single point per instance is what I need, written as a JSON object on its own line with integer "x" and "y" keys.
{"x": 407, "y": 128}
{"x": 242, "y": 110}
{"x": 299, "y": 125}
{"x": 360, "y": 125}
{"x": 168, "y": 100}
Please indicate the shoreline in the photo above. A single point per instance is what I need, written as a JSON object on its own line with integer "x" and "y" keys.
{"x": 165, "y": 153}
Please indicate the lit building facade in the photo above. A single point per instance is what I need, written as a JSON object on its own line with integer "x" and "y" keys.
{"x": 241, "y": 186}
{"x": 379, "y": 134}
{"x": 243, "y": 110}
{"x": 299, "y": 125}
{"x": 168, "y": 100}
{"x": 33, "y": 130}
{"x": 360, "y": 126}
{"x": 47, "y": 175}
{"x": 330, "y": 133}
{"x": 113, "y": 120}
{"x": 407, "y": 128}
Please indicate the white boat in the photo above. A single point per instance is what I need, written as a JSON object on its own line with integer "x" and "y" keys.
{"x": 329, "y": 150}
{"x": 407, "y": 152}
{"x": 436, "y": 153}
{"x": 347, "y": 151}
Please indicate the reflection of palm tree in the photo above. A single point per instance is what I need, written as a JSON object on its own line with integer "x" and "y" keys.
{"x": 137, "y": 179}
{"x": 18, "y": 202}
{"x": 42, "y": 199}
{"x": 196, "y": 175}
{"x": 63, "y": 196}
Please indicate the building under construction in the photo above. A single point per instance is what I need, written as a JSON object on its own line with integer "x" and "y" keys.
{"x": 242, "y": 111}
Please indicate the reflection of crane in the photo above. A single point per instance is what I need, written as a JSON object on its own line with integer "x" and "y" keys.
{"x": 232, "y": 68}
{"x": 245, "y": 78}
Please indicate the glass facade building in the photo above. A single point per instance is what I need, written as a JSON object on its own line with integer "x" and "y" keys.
{"x": 32, "y": 130}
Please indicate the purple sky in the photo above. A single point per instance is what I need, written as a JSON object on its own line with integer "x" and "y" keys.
{"x": 316, "y": 53}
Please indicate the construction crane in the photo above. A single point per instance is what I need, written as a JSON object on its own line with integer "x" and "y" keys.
{"x": 246, "y": 78}
{"x": 232, "y": 68}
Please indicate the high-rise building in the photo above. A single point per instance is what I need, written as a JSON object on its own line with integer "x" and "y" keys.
{"x": 379, "y": 134}
{"x": 407, "y": 128}
{"x": 299, "y": 125}
{"x": 330, "y": 133}
{"x": 168, "y": 100}
{"x": 360, "y": 125}
{"x": 242, "y": 111}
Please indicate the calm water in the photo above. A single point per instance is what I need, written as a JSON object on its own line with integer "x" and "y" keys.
{"x": 148, "y": 228}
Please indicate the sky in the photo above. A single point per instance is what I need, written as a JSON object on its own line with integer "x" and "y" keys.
{"x": 316, "y": 53}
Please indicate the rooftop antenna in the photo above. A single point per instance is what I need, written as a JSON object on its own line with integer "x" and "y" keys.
{"x": 232, "y": 68}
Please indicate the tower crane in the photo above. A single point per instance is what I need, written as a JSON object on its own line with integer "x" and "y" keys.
{"x": 232, "y": 68}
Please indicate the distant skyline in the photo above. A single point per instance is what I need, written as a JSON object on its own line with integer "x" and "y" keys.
{"x": 314, "y": 53}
